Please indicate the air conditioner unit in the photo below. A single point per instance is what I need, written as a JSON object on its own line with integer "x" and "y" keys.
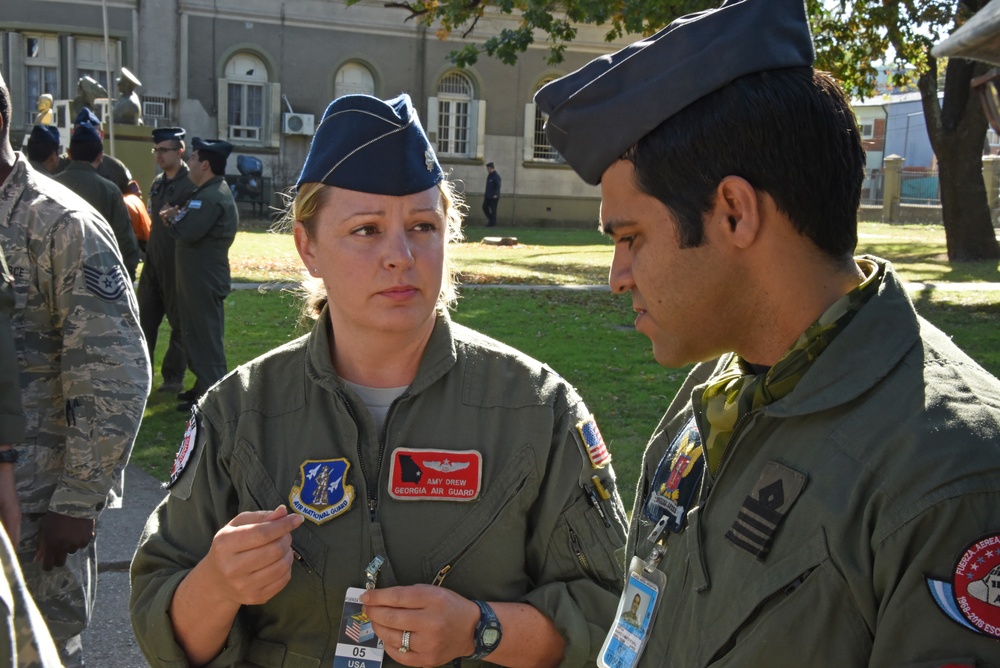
{"x": 298, "y": 124}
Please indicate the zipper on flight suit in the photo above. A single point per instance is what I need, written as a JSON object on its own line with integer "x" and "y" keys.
{"x": 371, "y": 490}
{"x": 574, "y": 541}
{"x": 443, "y": 572}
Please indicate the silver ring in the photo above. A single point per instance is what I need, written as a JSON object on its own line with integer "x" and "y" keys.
{"x": 406, "y": 643}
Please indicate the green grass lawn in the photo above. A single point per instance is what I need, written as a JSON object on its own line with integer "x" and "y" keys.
{"x": 586, "y": 336}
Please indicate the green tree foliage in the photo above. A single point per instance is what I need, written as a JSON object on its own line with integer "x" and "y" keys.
{"x": 851, "y": 38}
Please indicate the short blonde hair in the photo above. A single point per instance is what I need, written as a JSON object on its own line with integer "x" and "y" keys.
{"x": 307, "y": 201}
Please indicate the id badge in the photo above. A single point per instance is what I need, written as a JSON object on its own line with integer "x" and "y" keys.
{"x": 634, "y": 619}
{"x": 357, "y": 644}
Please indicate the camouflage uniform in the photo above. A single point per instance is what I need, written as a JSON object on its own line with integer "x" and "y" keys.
{"x": 84, "y": 377}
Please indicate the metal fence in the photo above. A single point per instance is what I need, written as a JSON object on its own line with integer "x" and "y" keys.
{"x": 917, "y": 186}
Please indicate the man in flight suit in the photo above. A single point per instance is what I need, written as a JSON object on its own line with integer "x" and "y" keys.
{"x": 204, "y": 227}
{"x": 158, "y": 283}
{"x": 823, "y": 490}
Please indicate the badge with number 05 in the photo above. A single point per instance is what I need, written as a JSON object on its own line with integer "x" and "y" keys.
{"x": 357, "y": 646}
{"x": 634, "y": 620}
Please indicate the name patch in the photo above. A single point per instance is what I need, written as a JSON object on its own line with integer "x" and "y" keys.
{"x": 435, "y": 475}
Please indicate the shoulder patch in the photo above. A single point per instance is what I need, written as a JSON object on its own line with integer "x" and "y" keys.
{"x": 194, "y": 204}
{"x": 972, "y": 598}
{"x": 597, "y": 451}
{"x": 184, "y": 453}
{"x": 108, "y": 283}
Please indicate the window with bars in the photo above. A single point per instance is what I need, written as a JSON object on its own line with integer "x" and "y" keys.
{"x": 157, "y": 110}
{"x": 455, "y": 94}
{"x": 245, "y": 84}
{"x": 41, "y": 73}
{"x": 535, "y": 119}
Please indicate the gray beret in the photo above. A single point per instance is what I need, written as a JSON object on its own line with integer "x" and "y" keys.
{"x": 599, "y": 111}
{"x": 219, "y": 146}
{"x": 371, "y": 146}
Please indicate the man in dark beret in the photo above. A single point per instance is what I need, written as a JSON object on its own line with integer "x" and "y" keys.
{"x": 823, "y": 489}
{"x": 158, "y": 284}
{"x": 111, "y": 168}
{"x": 43, "y": 148}
{"x": 86, "y": 152}
{"x": 204, "y": 227}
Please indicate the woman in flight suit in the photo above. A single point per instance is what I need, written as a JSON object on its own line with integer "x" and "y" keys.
{"x": 464, "y": 483}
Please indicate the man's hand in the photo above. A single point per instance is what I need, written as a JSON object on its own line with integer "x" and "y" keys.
{"x": 59, "y": 535}
{"x": 441, "y": 623}
{"x": 167, "y": 214}
{"x": 10, "y": 505}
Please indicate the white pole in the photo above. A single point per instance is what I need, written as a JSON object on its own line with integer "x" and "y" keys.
{"x": 107, "y": 73}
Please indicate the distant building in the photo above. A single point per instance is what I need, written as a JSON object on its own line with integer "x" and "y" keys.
{"x": 260, "y": 74}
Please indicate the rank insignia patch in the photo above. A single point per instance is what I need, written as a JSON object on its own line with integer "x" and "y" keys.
{"x": 597, "y": 451}
{"x": 764, "y": 509}
{"x": 435, "y": 475}
{"x": 322, "y": 492}
{"x": 184, "y": 452}
{"x": 107, "y": 283}
{"x": 972, "y": 598}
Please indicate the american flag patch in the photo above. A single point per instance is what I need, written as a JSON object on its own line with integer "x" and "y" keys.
{"x": 596, "y": 449}
{"x": 108, "y": 284}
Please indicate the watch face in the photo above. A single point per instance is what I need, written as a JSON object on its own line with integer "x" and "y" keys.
{"x": 491, "y": 637}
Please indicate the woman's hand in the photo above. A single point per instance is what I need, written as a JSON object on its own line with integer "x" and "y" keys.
{"x": 441, "y": 623}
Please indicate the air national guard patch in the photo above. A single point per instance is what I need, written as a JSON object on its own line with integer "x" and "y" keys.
{"x": 322, "y": 492}
{"x": 435, "y": 475}
{"x": 107, "y": 283}
{"x": 183, "y": 455}
{"x": 972, "y": 598}
{"x": 597, "y": 451}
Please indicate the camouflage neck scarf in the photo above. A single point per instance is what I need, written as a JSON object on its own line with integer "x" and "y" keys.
{"x": 738, "y": 391}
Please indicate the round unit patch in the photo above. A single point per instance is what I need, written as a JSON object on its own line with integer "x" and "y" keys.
{"x": 972, "y": 598}
{"x": 183, "y": 455}
{"x": 977, "y": 585}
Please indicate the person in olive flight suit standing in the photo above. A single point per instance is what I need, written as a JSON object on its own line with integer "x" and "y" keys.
{"x": 204, "y": 228}
{"x": 158, "y": 284}
{"x": 824, "y": 490}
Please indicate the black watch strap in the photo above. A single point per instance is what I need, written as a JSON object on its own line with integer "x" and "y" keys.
{"x": 488, "y": 632}
{"x": 8, "y": 456}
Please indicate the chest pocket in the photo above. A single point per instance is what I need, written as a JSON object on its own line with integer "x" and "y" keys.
{"x": 796, "y": 597}
{"x": 500, "y": 497}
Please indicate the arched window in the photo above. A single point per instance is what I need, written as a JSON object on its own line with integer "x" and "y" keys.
{"x": 246, "y": 81}
{"x": 353, "y": 78}
{"x": 454, "y": 102}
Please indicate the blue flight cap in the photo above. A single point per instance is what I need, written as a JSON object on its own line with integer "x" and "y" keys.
{"x": 87, "y": 116}
{"x": 596, "y": 113}
{"x": 168, "y": 134}
{"x": 85, "y": 132}
{"x": 44, "y": 134}
{"x": 219, "y": 146}
{"x": 372, "y": 146}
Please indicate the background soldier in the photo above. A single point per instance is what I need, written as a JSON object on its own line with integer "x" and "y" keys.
{"x": 84, "y": 376}
{"x": 204, "y": 228}
{"x": 43, "y": 148}
{"x": 86, "y": 151}
{"x": 491, "y": 199}
{"x": 158, "y": 284}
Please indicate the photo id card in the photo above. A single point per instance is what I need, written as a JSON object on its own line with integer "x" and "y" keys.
{"x": 636, "y": 610}
{"x": 357, "y": 644}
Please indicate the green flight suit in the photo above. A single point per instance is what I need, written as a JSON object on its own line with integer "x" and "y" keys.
{"x": 83, "y": 179}
{"x": 529, "y": 535}
{"x": 204, "y": 229}
{"x": 157, "y": 291}
{"x": 894, "y": 433}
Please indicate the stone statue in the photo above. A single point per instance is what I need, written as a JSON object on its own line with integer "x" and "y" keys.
{"x": 128, "y": 109}
{"x": 87, "y": 92}
{"x": 44, "y": 106}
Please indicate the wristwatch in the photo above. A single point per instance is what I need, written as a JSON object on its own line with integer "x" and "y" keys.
{"x": 8, "y": 456}
{"x": 488, "y": 632}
